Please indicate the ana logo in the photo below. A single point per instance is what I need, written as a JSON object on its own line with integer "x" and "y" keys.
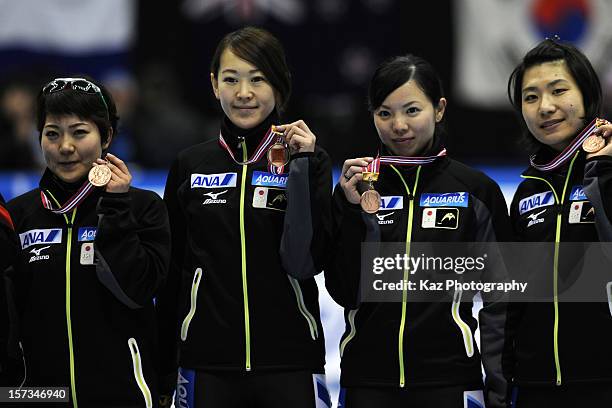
{"x": 261, "y": 178}
{"x": 578, "y": 194}
{"x": 42, "y": 236}
{"x": 213, "y": 198}
{"x": 459, "y": 199}
{"x": 536, "y": 201}
{"x": 36, "y": 254}
{"x": 87, "y": 234}
{"x": 533, "y": 218}
{"x": 391, "y": 203}
{"x": 220, "y": 180}
{"x": 381, "y": 218}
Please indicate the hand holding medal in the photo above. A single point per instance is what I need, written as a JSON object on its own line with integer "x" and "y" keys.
{"x": 111, "y": 173}
{"x": 298, "y": 136}
{"x": 352, "y": 176}
{"x": 597, "y": 144}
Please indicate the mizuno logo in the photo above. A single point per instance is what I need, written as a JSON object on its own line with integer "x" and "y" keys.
{"x": 214, "y": 195}
{"x": 534, "y": 218}
{"x": 383, "y": 216}
{"x": 37, "y": 256}
{"x": 536, "y": 215}
{"x": 36, "y": 251}
{"x": 214, "y": 198}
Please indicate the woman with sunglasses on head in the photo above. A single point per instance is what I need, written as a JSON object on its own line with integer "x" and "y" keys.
{"x": 560, "y": 350}
{"x": 250, "y": 231}
{"x": 94, "y": 252}
{"x": 414, "y": 353}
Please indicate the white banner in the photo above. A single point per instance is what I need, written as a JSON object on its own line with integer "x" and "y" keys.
{"x": 67, "y": 26}
{"x": 493, "y": 35}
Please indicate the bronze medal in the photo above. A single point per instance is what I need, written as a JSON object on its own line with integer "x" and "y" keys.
{"x": 593, "y": 144}
{"x": 100, "y": 175}
{"x": 370, "y": 201}
{"x": 278, "y": 154}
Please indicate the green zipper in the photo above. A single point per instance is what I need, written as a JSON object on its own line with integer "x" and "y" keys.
{"x": 556, "y": 261}
{"x": 411, "y": 195}
{"x": 245, "y": 292}
{"x": 69, "y": 223}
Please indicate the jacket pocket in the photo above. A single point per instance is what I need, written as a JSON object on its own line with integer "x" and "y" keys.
{"x": 138, "y": 375}
{"x": 312, "y": 323}
{"x": 466, "y": 332}
{"x": 194, "y": 303}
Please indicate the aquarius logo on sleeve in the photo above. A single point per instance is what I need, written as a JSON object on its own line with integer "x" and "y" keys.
{"x": 536, "y": 201}
{"x": 40, "y": 236}
{"x": 458, "y": 199}
{"x": 87, "y": 234}
{"x": 264, "y": 179}
{"x": 219, "y": 180}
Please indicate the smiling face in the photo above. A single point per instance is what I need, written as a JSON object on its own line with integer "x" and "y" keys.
{"x": 70, "y": 145}
{"x": 406, "y": 120}
{"x": 246, "y": 96}
{"x": 552, "y": 104}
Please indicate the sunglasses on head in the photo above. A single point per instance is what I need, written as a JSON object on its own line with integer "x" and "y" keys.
{"x": 77, "y": 84}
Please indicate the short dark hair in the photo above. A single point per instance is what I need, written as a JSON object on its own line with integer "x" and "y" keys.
{"x": 395, "y": 72}
{"x": 88, "y": 106}
{"x": 260, "y": 48}
{"x": 578, "y": 65}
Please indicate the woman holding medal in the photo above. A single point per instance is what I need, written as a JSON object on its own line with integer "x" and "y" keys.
{"x": 93, "y": 253}
{"x": 413, "y": 354}
{"x": 556, "y": 359}
{"x": 250, "y": 231}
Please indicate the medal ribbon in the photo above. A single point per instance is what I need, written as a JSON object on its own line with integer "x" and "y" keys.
{"x": 568, "y": 152}
{"x": 264, "y": 145}
{"x": 374, "y": 166}
{"x": 72, "y": 202}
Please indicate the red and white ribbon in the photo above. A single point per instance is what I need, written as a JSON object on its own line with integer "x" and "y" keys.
{"x": 374, "y": 166}
{"x": 72, "y": 202}
{"x": 568, "y": 152}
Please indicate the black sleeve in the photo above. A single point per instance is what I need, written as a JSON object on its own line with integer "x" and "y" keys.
{"x": 597, "y": 186}
{"x": 493, "y": 225}
{"x": 350, "y": 227}
{"x": 142, "y": 233}
{"x": 8, "y": 240}
{"x": 10, "y": 365}
{"x": 168, "y": 299}
{"x": 306, "y": 231}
